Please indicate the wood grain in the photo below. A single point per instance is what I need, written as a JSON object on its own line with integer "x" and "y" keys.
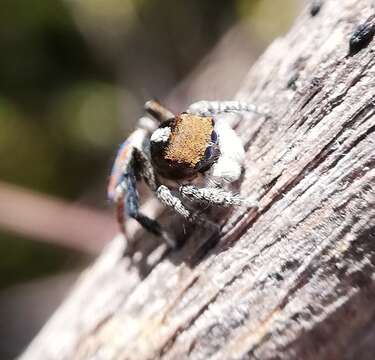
{"x": 293, "y": 280}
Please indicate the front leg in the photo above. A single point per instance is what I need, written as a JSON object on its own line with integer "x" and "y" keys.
{"x": 170, "y": 200}
{"x": 166, "y": 196}
{"x": 128, "y": 204}
{"x": 158, "y": 111}
{"x": 215, "y": 196}
{"x": 211, "y": 108}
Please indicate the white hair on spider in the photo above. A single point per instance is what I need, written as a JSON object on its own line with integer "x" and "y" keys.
{"x": 161, "y": 134}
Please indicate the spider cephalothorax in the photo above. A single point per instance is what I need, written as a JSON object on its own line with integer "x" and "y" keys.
{"x": 183, "y": 146}
{"x": 177, "y": 151}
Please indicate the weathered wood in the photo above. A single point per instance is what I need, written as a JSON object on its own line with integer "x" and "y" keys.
{"x": 294, "y": 280}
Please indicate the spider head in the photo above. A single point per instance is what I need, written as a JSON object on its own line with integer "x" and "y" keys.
{"x": 184, "y": 146}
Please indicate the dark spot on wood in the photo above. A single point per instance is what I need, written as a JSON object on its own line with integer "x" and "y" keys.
{"x": 311, "y": 90}
{"x": 342, "y": 270}
{"x": 297, "y": 316}
{"x": 290, "y": 265}
{"x": 277, "y": 276}
{"x": 315, "y": 7}
{"x": 315, "y": 82}
{"x": 292, "y": 81}
{"x": 360, "y": 279}
{"x": 362, "y": 36}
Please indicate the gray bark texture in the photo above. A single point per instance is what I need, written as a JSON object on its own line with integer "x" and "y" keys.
{"x": 294, "y": 279}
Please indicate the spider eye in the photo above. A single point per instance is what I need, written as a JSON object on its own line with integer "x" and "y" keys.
{"x": 211, "y": 150}
{"x": 208, "y": 153}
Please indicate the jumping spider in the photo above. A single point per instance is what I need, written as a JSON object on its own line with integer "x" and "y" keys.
{"x": 190, "y": 155}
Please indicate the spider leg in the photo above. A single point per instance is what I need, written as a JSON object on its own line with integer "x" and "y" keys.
{"x": 158, "y": 111}
{"x": 131, "y": 208}
{"x": 211, "y": 108}
{"x": 169, "y": 199}
{"x": 163, "y": 193}
{"x": 148, "y": 124}
{"x": 131, "y": 162}
{"x": 144, "y": 165}
{"x": 166, "y": 196}
{"x": 214, "y": 195}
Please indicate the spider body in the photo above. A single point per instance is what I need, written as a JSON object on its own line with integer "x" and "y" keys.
{"x": 183, "y": 147}
{"x": 191, "y": 148}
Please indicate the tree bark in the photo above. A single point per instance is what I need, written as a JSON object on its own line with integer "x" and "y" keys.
{"x": 294, "y": 279}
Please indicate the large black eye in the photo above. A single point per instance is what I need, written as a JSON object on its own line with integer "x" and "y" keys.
{"x": 210, "y": 155}
{"x": 214, "y": 137}
{"x": 211, "y": 150}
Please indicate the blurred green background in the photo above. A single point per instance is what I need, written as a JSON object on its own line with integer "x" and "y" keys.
{"x": 73, "y": 77}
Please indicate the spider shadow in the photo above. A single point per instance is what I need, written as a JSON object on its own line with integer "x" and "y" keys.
{"x": 195, "y": 242}
{"x": 145, "y": 250}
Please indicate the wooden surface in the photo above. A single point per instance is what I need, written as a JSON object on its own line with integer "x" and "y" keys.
{"x": 294, "y": 280}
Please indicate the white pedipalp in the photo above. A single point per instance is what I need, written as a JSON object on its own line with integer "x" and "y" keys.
{"x": 229, "y": 165}
{"x": 225, "y": 169}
